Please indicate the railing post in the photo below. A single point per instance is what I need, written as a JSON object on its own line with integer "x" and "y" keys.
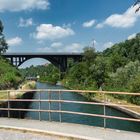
{"x": 104, "y": 110}
{"x": 49, "y": 96}
{"x": 60, "y": 115}
{"x": 39, "y": 105}
{"x": 8, "y": 97}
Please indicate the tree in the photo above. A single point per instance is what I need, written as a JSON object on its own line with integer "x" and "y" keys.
{"x": 98, "y": 71}
{"x": 3, "y": 44}
{"x": 89, "y": 55}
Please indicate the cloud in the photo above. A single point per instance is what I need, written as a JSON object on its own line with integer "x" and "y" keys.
{"x": 125, "y": 20}
{"x": 59, "y": 47}
{"x": 88, "y": 24}
{"x": 14, "y": 41}
{"x": 74, "y": 47}
{"x": 19, "y": 5}
{"x": 107, "y": 45}
{"x": 25, "y": 22}
{"x": 50, "y": 32}
{"x": 56, "y": 44}
{"x": 132, "y": 36}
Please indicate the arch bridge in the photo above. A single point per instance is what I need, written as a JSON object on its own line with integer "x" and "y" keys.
{"x": 60, "y": 60}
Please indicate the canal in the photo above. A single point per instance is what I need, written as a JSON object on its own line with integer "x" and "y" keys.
{"x": 70, "y": 118}
{"x": 96, "y": 109}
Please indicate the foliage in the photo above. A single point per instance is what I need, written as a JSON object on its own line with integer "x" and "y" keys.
{"x": 115, "y": 69}
{"x": 3, "y": 44}
{"x": 9, "y": 75}
{"x": 47, "y": 73}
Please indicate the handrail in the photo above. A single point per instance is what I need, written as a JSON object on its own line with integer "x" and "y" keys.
{"x": 10, "y": 99}
{"x": 76, "y": 91}
{"x": 69, "y": 101}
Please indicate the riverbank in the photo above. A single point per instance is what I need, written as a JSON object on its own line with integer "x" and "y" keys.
{"x": 131, "y": 111}
{"x": 27, "y": 85}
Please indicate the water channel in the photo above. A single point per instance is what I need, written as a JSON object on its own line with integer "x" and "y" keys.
{"x": 70, "y": 118}
{"x": 94, "y": 121}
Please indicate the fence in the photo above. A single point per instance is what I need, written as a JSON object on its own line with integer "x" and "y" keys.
{"x": 49, "y": 100}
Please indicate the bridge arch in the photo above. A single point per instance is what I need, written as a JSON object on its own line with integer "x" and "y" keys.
{"x": 57, "y": 59}
{"x": 54, "y": 61}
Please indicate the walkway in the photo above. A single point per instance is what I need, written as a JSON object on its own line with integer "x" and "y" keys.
{"x": 67, "y": 129}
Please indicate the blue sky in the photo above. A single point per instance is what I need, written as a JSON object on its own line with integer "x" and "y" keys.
{"x": 67, "y": 25}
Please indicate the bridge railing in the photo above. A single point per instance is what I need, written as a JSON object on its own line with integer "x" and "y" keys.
{"x": 10, "y": 97}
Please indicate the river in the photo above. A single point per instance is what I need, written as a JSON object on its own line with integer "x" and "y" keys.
{"x": 93, "y": 121}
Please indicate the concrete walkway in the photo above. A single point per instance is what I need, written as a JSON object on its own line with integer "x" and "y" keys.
{"x": 68, "y": 130}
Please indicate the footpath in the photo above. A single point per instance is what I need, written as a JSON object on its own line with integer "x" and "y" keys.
{"x": 66, "y": 130}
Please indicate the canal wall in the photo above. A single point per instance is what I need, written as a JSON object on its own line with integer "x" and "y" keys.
{"x": 119, "y": 108}
{"x": 127, "y": 111}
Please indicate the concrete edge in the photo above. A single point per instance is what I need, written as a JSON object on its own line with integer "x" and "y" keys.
{"x": 127, "y": 111}
{"x": 44, "y": 132}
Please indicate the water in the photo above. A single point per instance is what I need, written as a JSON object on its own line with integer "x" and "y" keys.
{"x": 70, "y": 118}
{"x": 93, "y": 121}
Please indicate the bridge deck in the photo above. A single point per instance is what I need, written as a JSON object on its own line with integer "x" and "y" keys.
{"x": 68, "y": 130}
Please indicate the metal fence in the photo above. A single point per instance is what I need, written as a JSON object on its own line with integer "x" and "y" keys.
{"x": 49, "y": 100}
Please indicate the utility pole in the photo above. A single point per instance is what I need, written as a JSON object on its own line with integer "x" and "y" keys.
{"x": 92, "y": 44}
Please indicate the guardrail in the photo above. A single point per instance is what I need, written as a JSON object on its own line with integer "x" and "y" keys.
{"x": 105, "y": 104}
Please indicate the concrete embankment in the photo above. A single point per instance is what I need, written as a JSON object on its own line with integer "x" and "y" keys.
{"x": 28, "y": 85}
{"x": 125, "y": 110}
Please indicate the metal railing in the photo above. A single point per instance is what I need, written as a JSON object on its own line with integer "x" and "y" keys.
{"x": 49, "y": 100}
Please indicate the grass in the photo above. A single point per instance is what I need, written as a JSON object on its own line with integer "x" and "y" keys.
{"x": 111, "y": 99}
{"x": 3, "y": 95}
{"x": 25, "y": 86}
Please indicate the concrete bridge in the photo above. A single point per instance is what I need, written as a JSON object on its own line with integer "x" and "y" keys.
{"x": 60, "y": 60}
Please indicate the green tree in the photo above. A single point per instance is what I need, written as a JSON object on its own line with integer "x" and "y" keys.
{"x": 3, "y": 44}
{"x": 98, "y": 71}
{"x": 89, "y": 55}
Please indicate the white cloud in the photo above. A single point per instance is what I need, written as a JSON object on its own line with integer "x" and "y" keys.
{"x": 107, "y": 45}
{"x": 50, "y": 32}
{"x": 14, "y": 41}
{"x": 19, "y": 5}
{"x": 100, "y": 25}
{"x": 56, "y": 45}
{"x": 74, "y": 47}
{"x": 88, "y": 24}
{"x": 25, "y": 22}
{"x": 132, "y": 36}
{"x": 125, "y": 20}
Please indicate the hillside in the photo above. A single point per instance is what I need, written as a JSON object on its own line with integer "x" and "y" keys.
{"x": 10, "y": 77}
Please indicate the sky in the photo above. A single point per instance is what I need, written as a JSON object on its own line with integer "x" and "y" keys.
{"x": 67, "y": 25}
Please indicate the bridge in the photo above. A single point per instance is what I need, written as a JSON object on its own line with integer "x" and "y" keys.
{"x": 60, "y": 60}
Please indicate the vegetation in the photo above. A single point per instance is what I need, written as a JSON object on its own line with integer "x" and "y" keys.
{"x": 115, "y": 69}
{"x": 3, "y": 44}
{"x": 9, "y": 75}
{"x": 47, "y": 73}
